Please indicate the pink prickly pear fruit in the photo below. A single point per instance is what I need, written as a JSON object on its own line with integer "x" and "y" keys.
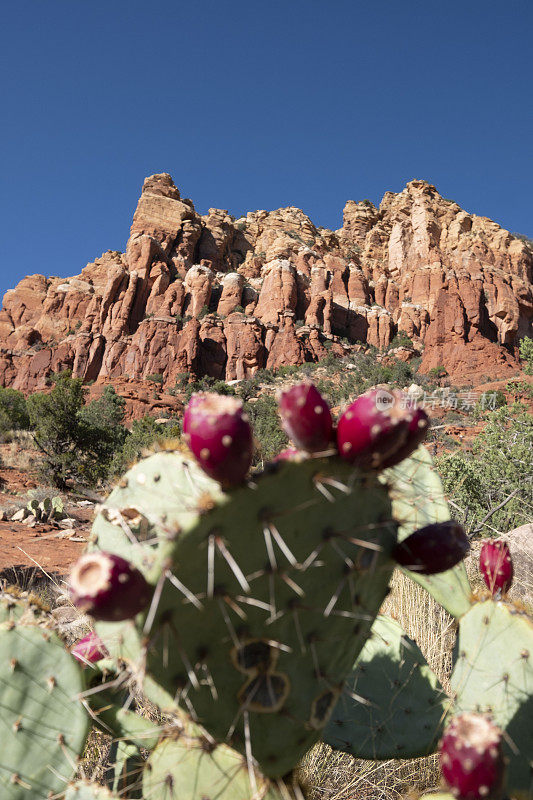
{"x": 373, "y": 429}
{"x": 219, "y": 436}
{"x": 496, "y": 565}
{"x": 108, "y": 587}
{"x": 306, "y": 418}
{"x": 196, "y": 398}
{"x": 289, "y": 454}
{"x": 417, "y": 430}
{"x": 434, "y": 548}
{"x": 471, "y": 757}
{"x": 90, "y": 649}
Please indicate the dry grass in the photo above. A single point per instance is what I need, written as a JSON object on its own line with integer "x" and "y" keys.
{"x": 332, "y": 775}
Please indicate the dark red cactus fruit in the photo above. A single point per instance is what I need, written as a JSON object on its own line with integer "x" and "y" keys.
{"x": 90, "y": 649}
{"x": 108, "y": 587}
{"x": 434, "y": 548}
{"x": 471, "y": 757}
{"x": 417, "y": 430}
{"x": 496, "y": 565}
{"x": 219, "y": 436}
{"x": 373, "y": 429}
{"x": 306, "y": 418}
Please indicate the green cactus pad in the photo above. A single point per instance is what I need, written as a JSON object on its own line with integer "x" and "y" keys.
{"x": 264, "y": 594}
{"x": 83, "y": 790}
{"x": 43, "y": 727}
{"x": 58, "y": 507}
{"x": 195, "y": 769}
{"x": 397, "y": 705}
{"x": 417, "y": 500}
{"x": 493, "y": 674}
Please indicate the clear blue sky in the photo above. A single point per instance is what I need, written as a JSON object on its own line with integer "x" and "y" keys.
{"x": 253, "y": 105}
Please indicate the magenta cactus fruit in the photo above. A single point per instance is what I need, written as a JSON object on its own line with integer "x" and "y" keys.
{"x": 373, "y": 429}
{"x": 108, "y": 587}
{"x": 417, "y": 430}
{"x": 306, "y": 418}
{"x": 471, "y": 757}
{"x": 434, "y": 548}
{"x": 219, "y": 436}
{"x": 289, "y": 454}
{"x": 496, "y": 565}
{"x": 90, "y": 649}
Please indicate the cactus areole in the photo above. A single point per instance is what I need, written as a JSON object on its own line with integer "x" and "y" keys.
{"x": 471, "y": 757}
{"x": 220, "y": 437}
{"x": 496, "y": 566}
{"x": 306, "y": 418}
{"x": 108, "y": 587}
{"x": 379, "y": 429}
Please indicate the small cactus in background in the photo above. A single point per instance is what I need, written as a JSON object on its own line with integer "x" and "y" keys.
{"x": 496, "y": 566}
{"x": 471, "y": 757}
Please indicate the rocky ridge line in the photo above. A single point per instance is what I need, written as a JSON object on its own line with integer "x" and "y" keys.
{"x": 211, "y": 295}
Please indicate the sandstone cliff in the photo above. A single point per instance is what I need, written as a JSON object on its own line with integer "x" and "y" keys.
{"x": 211, "y": 295}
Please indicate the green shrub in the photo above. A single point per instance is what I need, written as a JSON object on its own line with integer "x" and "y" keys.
{"x": 13, "y": 411}
{"x": 526, "y": 354}
{"x": 264, "y": 419}
{"x": 77, "y": 441}
{"x": 491, "y": 487}
{"x": 401, "y": 340}
{"x": 144, "y": 433}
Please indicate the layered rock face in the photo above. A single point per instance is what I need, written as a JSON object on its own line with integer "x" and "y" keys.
{"x": 211, "y": 295}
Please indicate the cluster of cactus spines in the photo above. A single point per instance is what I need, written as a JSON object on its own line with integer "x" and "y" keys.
{"x": 434, "y": 548}
{"x": 108, "y": 587}
{"x": 306, "y": 418}
{"x": 471, "y": 757}
{"x": 496, "y": 566}
{"x": 219, "y": 436}
{"x": 390, "y": 684}
{"x": 43, "y": 727}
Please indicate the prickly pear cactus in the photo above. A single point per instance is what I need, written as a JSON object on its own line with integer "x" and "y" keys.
{"x": 264, "y": 595}
{"x": 493, "y": 674}
{"x": 391, "y": 683}
{"x": 44, "y": 727}
{"x": 417, "y": 500}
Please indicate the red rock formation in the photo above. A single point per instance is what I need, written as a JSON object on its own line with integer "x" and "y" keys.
{"x": 457, "y": 284}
